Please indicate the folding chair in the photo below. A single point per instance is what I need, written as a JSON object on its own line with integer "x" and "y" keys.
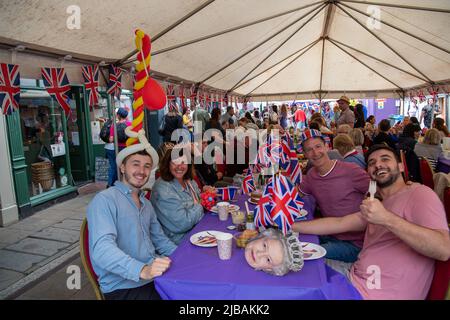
{"x": 86, "y": 260}
{"x": 426, "y": 172}
{"x": 439, "y": 289}
{"x": 405, "y": 166}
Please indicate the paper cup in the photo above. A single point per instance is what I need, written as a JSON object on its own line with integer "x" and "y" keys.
{"x": 224, "y": 245}
{"x": 222, "y": 210}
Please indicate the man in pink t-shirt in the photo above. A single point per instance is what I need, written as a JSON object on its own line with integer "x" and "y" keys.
{"x": 339, "y": 188}
{"x": 405, "y": 233}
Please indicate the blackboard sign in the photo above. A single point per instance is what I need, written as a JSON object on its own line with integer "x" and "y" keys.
{"x": 101, "y": 169}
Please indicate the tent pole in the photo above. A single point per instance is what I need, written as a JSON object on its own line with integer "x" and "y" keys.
{"x": 280, "y": 45}
{"x": 382, "y": 41}
{"x": 397, "y": 28}
{"x": 274, "y": 65}
{"x": 326, "y": 28}
{"x": 163, "y": 32}
{"x": 378, "y": 59}
{"x": 283, "y": 67}
{"x": 397, "y": 6}
{"x": 366, "y": 65}
{"x": 257, "y": 46}
{"x": 321, "y": 65}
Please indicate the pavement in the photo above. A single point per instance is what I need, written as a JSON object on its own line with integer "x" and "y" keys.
{"x": 39, "y": 255}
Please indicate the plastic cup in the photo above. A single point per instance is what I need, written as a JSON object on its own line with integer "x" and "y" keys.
{"x": 224, "y": 245}
{"x": 222, "y": 210}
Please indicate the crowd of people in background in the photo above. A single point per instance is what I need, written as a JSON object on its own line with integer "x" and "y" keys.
{"x": 346, "y": 149}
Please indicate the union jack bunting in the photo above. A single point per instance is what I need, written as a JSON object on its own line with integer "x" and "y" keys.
{"x": 90, "y": 76}
{"x": 171, "y": 97}
{"x": 248, "y": 185}
{"x": 286, "y": 202}
{"x": 193, "y": 95}
{"x": 115, "y": 81}
{"x": 264, "y": 208}
{"x": 421, "y": 96}
{"x": 227, "y": 193}
{"x": 201, "y": 99}
{"x": 433, "y": 92}
{"x": 9, "y": 87}
{"x": 57, "y": 85}
{"x": 182, "y": 97}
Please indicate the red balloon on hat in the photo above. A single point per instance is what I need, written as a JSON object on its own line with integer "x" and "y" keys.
{"x": 153, "y": 95}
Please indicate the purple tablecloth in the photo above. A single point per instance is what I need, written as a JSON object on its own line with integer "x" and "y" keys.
{"x": 443, "y": 164}
{"x": 197, "y": 273}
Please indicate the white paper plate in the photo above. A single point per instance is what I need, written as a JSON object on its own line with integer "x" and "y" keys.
{"x": 312, "y": 251}
{"x": 209, "y": 234}
{"x": 232, "y": 207}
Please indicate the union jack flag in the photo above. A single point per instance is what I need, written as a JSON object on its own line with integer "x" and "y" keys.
{"x": 90, "y": 76}
{"x": 57, "y": 85}
{"x": 263, "y": 157}
{"x": 115, "y": 81}
{"x": 193, "y": 95}
{"x": 182, "y": 97}
{"x": 227, "y": 193}
{"x": 286, "y": 202}
{"x": 248, "y": 185}
{"x": 433, "y": 92}
{"x": 201, "y": 99}
{"x": 421, "y": 96}
{"x": 9, "y": 87}
{"x": 275, "y": 148}
{"x": 264, "y": 208}
{"x": 171, "y": 97}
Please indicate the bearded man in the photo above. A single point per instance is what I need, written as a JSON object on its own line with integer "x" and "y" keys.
{"x": 406, "y": 231}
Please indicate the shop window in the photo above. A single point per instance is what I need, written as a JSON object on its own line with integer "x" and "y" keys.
{"x": 43, "y": 142}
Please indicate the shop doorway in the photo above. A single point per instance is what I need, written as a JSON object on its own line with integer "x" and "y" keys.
{"x": 79, "y": 137}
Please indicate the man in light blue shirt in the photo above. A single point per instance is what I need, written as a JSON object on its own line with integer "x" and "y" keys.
{"x": 124, "y": 233}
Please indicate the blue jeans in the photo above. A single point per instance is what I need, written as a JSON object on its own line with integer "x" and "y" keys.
{"x": 339, "y": 250}
{"x": 112, "y": 172}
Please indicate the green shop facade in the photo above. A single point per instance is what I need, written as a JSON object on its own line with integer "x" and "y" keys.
{"x": 51, "y": 154}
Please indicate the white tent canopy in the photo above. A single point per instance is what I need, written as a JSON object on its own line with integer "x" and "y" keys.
{"x": 265, "y": 49}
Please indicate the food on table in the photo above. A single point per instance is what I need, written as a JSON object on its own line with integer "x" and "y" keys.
{"x": 244, "y": 237}
{"x": 238, "y": 217}
{"x": 255, "y": 196}
{"x": 206, "y": 240}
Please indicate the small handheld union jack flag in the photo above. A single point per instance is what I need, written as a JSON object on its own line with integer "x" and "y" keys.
{"x": 115, "y": 81}
{"x": 90, "y": 76}
{"x": 227, "y": 193}
{"x": 286, "y": 202}
{"x": 264, "y": 208}
{"x": 248, "y": 185}
{"x": 57, "y": 85}
{"x": 9, "y": 87}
